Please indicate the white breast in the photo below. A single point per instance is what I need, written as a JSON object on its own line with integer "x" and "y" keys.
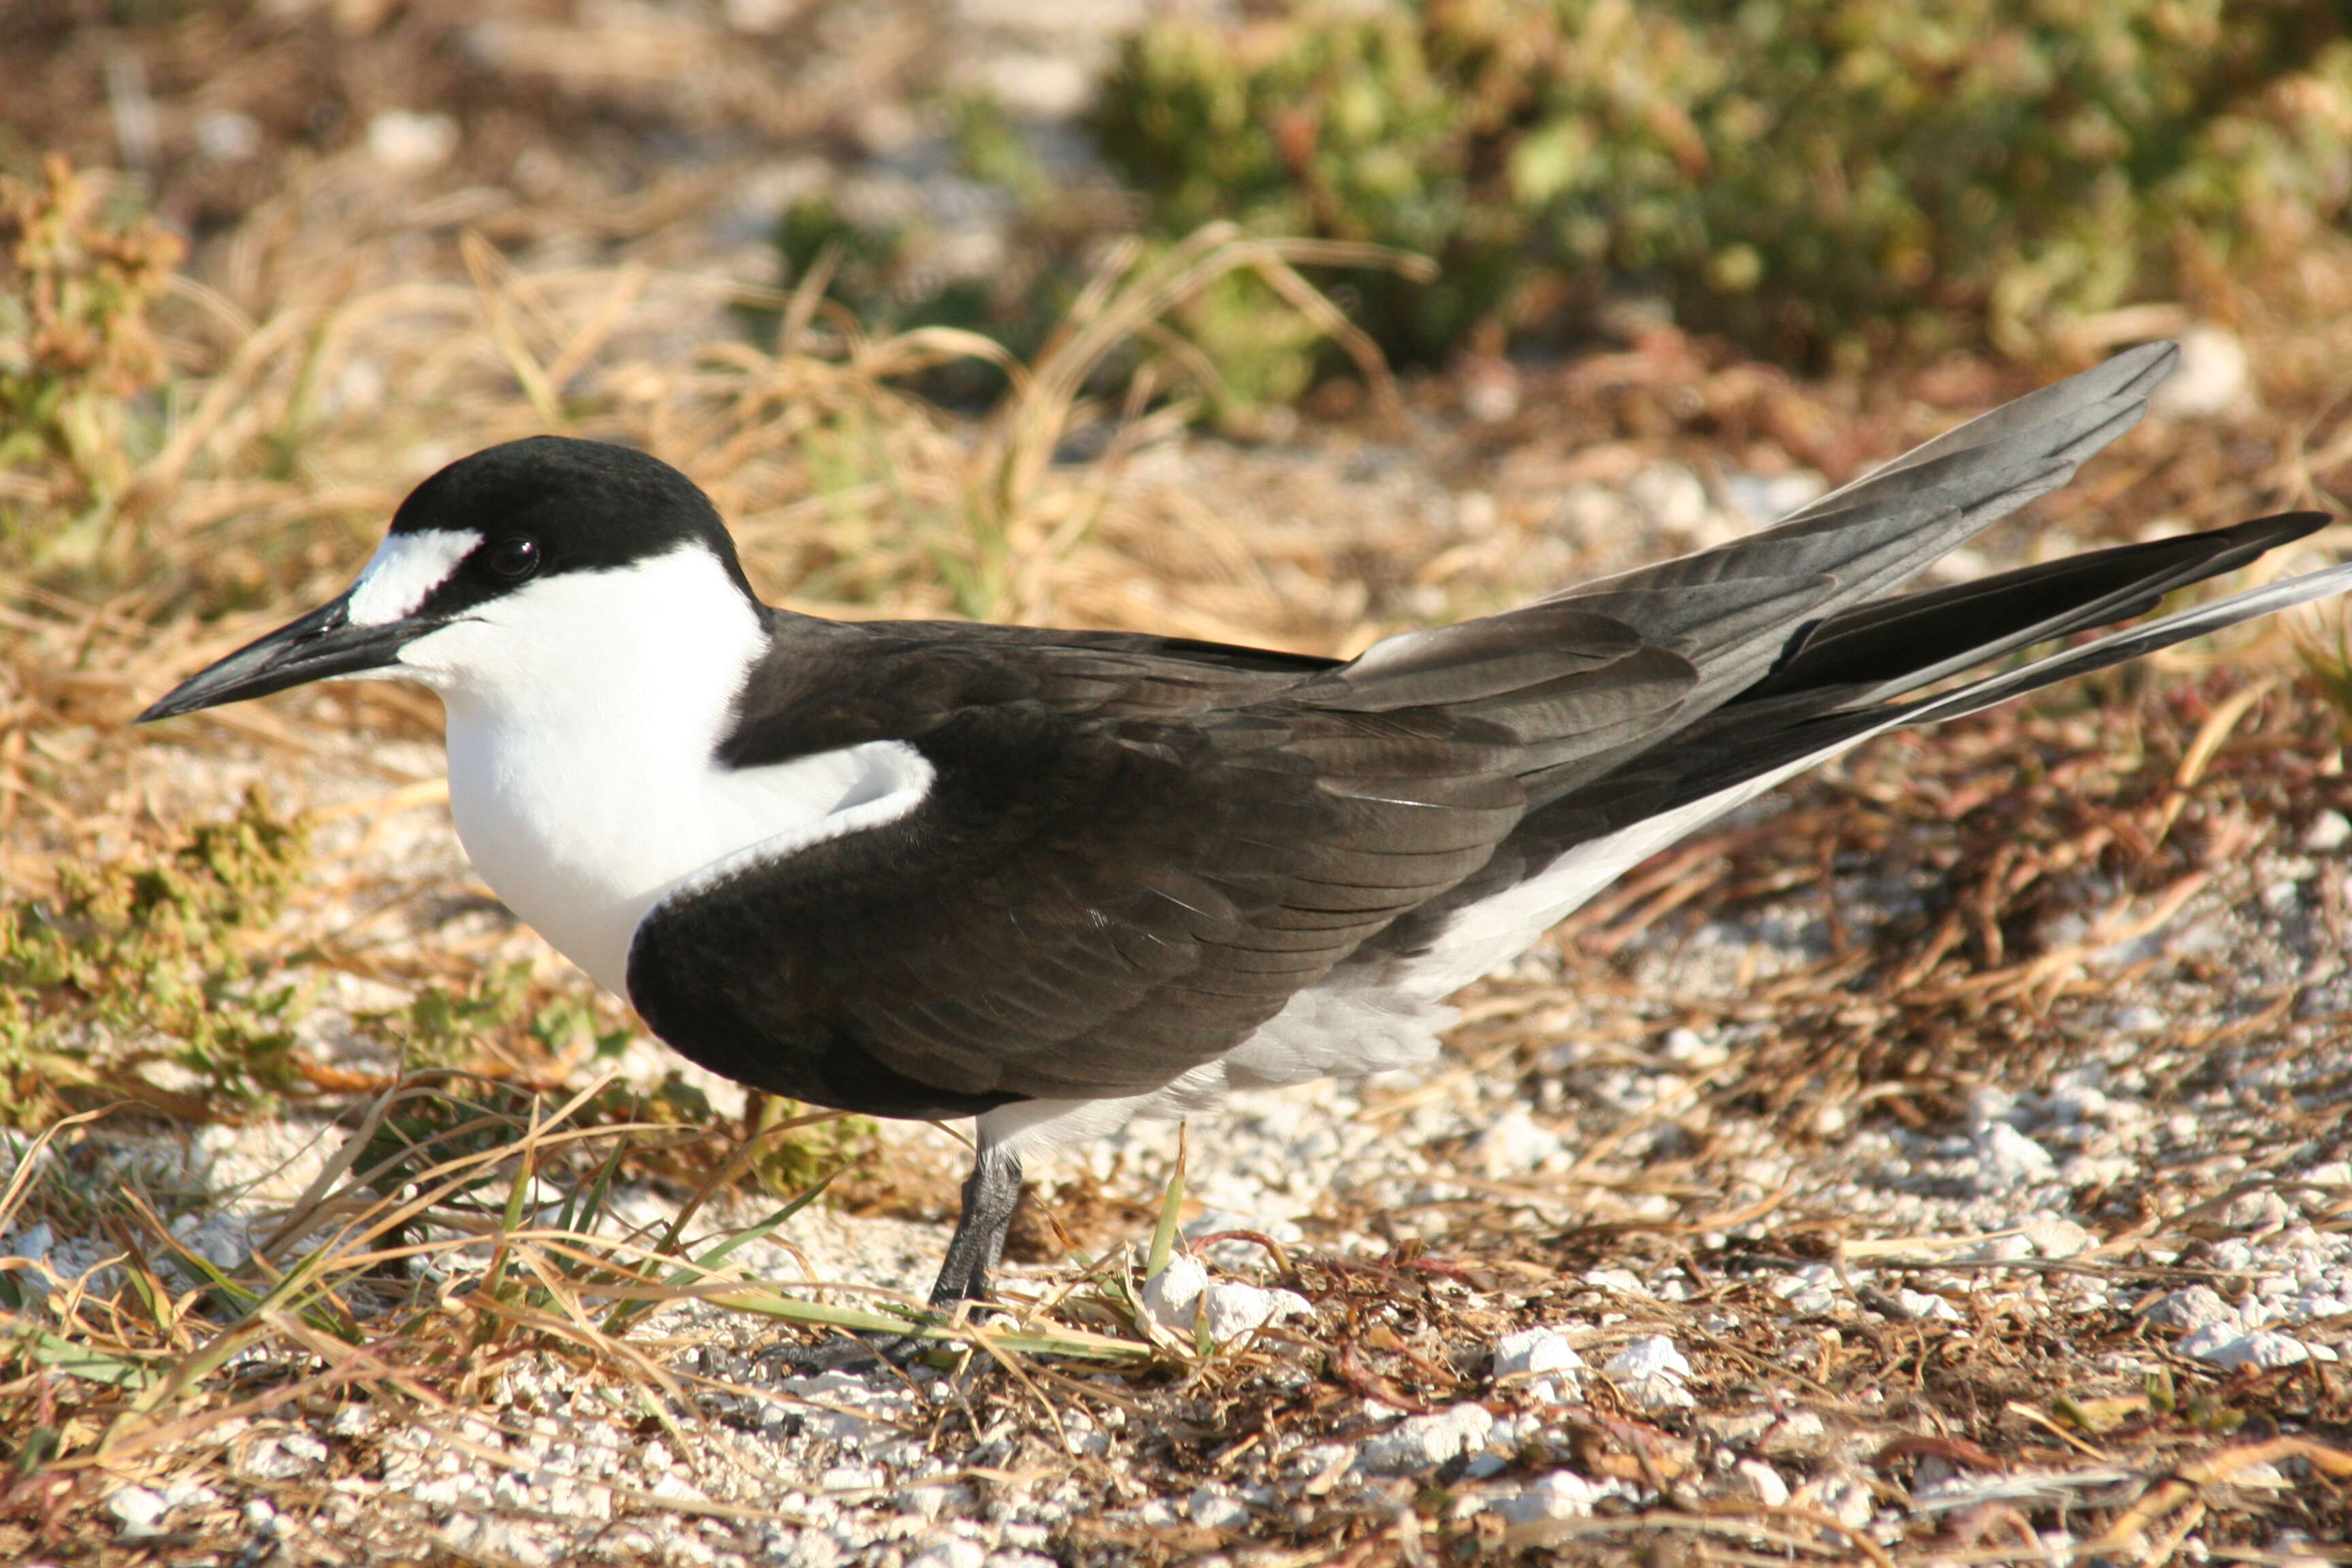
{"x": 584, "y": 715}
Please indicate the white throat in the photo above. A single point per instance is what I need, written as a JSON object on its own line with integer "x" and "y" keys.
{"x": 585, "y": 711}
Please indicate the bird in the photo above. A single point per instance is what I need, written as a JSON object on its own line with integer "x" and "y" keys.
{"x": 1057, "y": 880}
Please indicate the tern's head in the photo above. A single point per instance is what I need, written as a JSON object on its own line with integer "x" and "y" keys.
{"x": 512, "y": 565}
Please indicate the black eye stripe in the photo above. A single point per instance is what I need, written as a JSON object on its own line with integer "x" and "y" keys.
{"x": 589, "y": 506}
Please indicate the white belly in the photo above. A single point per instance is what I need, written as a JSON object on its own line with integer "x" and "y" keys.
{"x": 580, "y": 849}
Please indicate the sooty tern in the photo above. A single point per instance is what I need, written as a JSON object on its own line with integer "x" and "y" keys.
{"x": 1054, "y": 880}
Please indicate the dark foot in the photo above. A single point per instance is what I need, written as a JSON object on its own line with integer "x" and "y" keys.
{"x": 990, "y": 1193}
{"x": 845, "y": 1352}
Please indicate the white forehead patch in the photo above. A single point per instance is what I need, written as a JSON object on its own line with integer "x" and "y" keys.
{"x": 405, "y": 568}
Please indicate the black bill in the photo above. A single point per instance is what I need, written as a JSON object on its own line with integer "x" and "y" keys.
{"x": 321, "y": 644}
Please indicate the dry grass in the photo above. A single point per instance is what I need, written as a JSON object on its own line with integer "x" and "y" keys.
{"x": 408, "y": 1273}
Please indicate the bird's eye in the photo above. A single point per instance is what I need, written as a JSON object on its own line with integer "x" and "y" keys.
{"x": 512, "y": 559}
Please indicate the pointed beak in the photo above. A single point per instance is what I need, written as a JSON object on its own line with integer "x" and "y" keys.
{"x": 323, "y": 644}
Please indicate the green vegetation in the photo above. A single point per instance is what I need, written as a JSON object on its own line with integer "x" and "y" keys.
{"x": 76, "y": 348}
{"x": 150, "y": 960}
{"x": 904, "y": 271}
{"x": 1815, "y": 179}
{"x": 1868, "y": 179}
{"x": 803, "y": 1146}
{"x": 165, "y": 958}
{"x": 2325, "y": 653}
{"x": 445, "y": 1028}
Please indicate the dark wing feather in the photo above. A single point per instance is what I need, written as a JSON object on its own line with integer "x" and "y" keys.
{"x": 1858, "y": 672}
{"x": 1137, "y": 849}
{"x": 1127, "y": 860}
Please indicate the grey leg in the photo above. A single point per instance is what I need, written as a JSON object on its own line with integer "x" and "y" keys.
{"x": 990, "y": 1195}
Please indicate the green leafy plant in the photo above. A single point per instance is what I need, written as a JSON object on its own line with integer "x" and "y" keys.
{"x": 802, "y": 1148}
{"x": 150, "y": 960}
{"x": 998, "y": 248}
{"x": 1810, "y": 176}
{"x": 503, "y": 1015}
{"x": 77, "y": 282}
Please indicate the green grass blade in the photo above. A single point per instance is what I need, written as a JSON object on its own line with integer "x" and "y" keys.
{"x": 696, "y": 1270}
{"x": 1163, "y": 1234}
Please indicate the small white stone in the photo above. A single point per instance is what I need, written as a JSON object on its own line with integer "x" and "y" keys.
{"x": 409, "y": 142}
{"x": 2081, "y": 1102}
{"x": 814, "y": 1549}
{"x": 2007, "y": 1159}
{"x": 1990, "y": 1103}
{"x": 227, "y": 137}
{"x": 1842, "y": 1497}
{"x": 1670, "y": 496}
{"x": 1422, "y": 1443}
{"x": 136, "y": 1509}
{"x": 758, "y": 15}
{"x": 2059, "y": 1238}
{"x": 285, "y": 1456}
{"x": 1926, "y": 1307}
{"x": 1235, "y": 1310}
{"x": 1652, "y": 1356}
{"x": 1562, "y": 1494}
{"x": 2225, "y": 1344}
{"x": 1811, "y": 1302}
{"x": 1660, "y": 1393}
{"x": 1768, "y": 497}
{"x": 1532, "y": 1350}
{"x": 1761, "y": 1481}
{"x": 1540, "y": 1361}
{"x": 950, "y": 1552}
{"x": 1799, "y": 1426}
{"x": 1592, "y": 516}
{"x": 504, "y": 1540}
{"x": 1651, "y": 1372}
{"x": 1171, "y": 1296}
{"x": 1514, "y": 1144}
{"x": 1623, "y": 1281}
{"x": 1036, "y": 86}
{"x": 2213, "y": 376}
{"x": 2198, "y": 1307}
{"x": 1180, "y": 1294}
{"x": 931, "y": 1501}
{"x": 2257, "y": 1212}
{"x": 1689, "y": 1047}
{"x": 2328, "y": 830}
{"x": 189, "y": 1494}
{"x": 1214, "y": 1508}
